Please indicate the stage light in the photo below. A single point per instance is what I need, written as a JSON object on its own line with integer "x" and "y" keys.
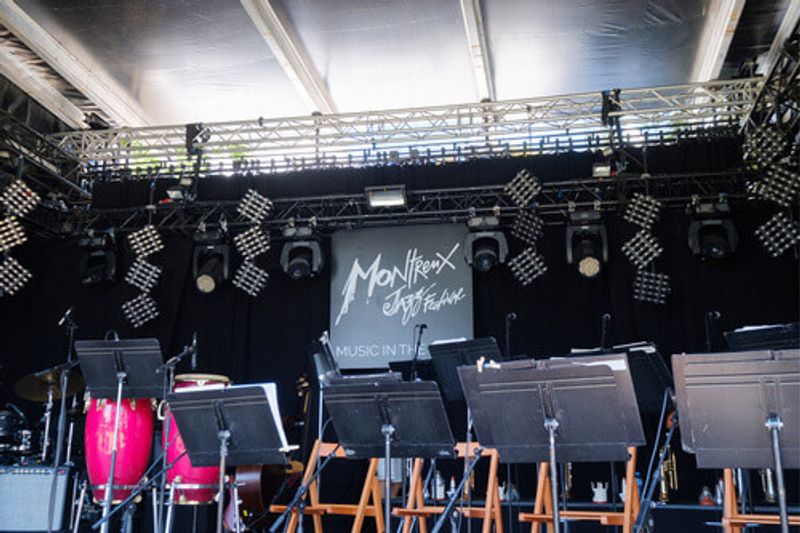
{"x": 780, "y": 184}
{"x": 388, "y": 196}
{"x": 485, "y": 245}
{"x": 528, "y": 226}
{"x": 523, "y": 188}
{"x": 140, "y": 310}
{"x": 98, "y": 260}
{"x": 587, "y": 242}
{"x": 255, "y": 207}
{"x": 11, "y": 233}
{"x": 642, "y": 210}
{"x": 143, "y": 275}
{"x": 145, "y": 241}
{"x": 184, "y": 191}
{"x": 210, "y": 260}
{"x": 778, "y": 234}
{"x": 601, "y": 170}
{"x": 301, "y": 259}
{"x": 252, "y": 243}
{"x": 19, "y": 199}
{"x": 642, "y": 248}
{"x": 764, "y": 143}
{"x": 250, "y": 278}
{"x": 13, "y": 276}
{"x": 651, "y": 287}
{"x": 712, "y": 233}
{"x": 527, "y": 266}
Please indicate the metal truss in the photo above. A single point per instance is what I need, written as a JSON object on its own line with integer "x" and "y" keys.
{"x": 438, "y": 134}
{"x": 328, "y": 213}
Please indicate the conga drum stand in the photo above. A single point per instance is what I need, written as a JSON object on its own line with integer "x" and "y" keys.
{"x": 117, "y": 369}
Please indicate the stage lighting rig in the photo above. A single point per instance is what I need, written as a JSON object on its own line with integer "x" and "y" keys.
{"x": 210, "y": 260}
{"x": 143, "y": 275}
{"x": 250, "y": 278}
{"x": 252, "y": 243}
{"x": 523, "y": 188}
{"x": 98, "y": 258}
{"x": 19, "y": 199}
{"x": 386, "y": 196}
{"x": 642, "y": 248}
{"x": 528, "y": 226}
{"x": 255, "y": 207}
{"x": 587, "y": 242}
{"x": 712, "y": 234}
{"x": 778, "y": 234}
{"x": 781, "y": 184}
{"x": 651, "y": 287}
{"x": 184, "y": 191}
{"x": 765, "y": 144}
{"x": 13, "y": 276}
{"x": 527, "y": 266}
{"x": 301, "y": 255}
{"x": 145, "y": 241}
{"x": 140, "y": 310}
{"x": 642, "y": 210}
{"x": 11, "y": 233}
{"x": 485, "y": 245}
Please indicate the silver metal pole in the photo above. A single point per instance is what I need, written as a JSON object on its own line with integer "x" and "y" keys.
{"x": 110, "y": 482}
{"x": 48, "y": 411}
{"x": 551, "y": 424}
{"x": 236, "y": 517}
{"x": 168, "y": 525}
{"x": 79, "y": 509}
{"x": 774, "y": 425}
{"x": 224, "y": 435}
{"x": 388, "y": 431}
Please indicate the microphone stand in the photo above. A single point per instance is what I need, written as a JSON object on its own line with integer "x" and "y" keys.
{"x": 604, "y": 331}
{"x": 710, "y": 317}
{"x": 510, "y": 317}
{"x": 416, "y": 352}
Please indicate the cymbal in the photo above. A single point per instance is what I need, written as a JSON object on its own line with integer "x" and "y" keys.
{"x": 35, "y": 387}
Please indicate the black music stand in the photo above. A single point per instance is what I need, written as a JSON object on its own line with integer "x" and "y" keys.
{"x": 390, "y": 418}
{"x": 238, "y": 425}
{"x": 774, "y": 337}
{"x": 570, "y": 410}
{"x": 446, "y": 357}
{"x": 741, "y": 410}
{"x": 119, "y": 369}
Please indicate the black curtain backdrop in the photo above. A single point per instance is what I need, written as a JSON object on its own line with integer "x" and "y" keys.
{"x": 265, "y": 338}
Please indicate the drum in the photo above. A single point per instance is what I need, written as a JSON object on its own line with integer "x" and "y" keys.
{"x": 192, "y": 485}
{"x": 133, "y": 444}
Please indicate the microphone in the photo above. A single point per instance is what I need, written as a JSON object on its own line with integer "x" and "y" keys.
{"x": 194, "y": 351}
{"x": 422, "y": 326}
{"x": 67, "y": 316}
{"x": 511, "y": 316}
{"x": 713, "y": 315}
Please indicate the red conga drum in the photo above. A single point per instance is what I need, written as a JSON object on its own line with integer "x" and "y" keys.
{"x": 193, "y": 485}
{"x": 134, "y": 442}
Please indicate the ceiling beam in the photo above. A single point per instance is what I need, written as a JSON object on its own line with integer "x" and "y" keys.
{"x": 40, "y": 89}
{"x": 721, "y": 22}
{"x": 80, "y": 70}
{"x": 282, "y": 39}
{"x": 478, "y": 49}
{"x": 788, "y": 25}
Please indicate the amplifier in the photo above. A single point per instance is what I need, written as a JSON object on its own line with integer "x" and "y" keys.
{"x": 25, "y": 497}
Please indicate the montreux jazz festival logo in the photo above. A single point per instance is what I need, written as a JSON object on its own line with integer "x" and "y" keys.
{"x": 410, "y": 287}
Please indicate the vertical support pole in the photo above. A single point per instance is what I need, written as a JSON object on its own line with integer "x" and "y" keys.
{"x": 729, "y": 509}
{"x": 388, "y": 431}
{"x": 551, "y": 425}
{"x": 774, "y": 426}
{"x": 112, "y": 469}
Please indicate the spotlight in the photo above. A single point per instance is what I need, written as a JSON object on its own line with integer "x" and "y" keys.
{"x": 210, "y": 260}
{"x": 388, "y": 196}
{"x": 485, "y": 246}
{"x": 184, "y": 191}
{"x": 587, "y": 242}
{"x": 145, "y": 241}
{"x": 527, "y": 266}
{"x": 643, "y": 210}
{"x": 778, "y": 234}
{"x": 252, "y": 243}
{"x": 651, "y": 287}
{"x": 250, "y": 278}
{"x": 98, "y": 260}
{"x": 601, "y": 170}
{"x": 780, "y": 184}
{"x": 764, "y": 144}
{"x": 143, "y": 275}
{"x": 301, "y": 259}
{"x": 11, "y": 233}
{"x": 13, "y": 276}
{"x": 140, "y": 310}
{"x": 255, "y": 207}
{"x": 642, "y": 248}
{"x": 19, "y": 199}
{"x": 523, "y": 188}
{"x": 712, "y": 234}
{"x": 527, "y": 227}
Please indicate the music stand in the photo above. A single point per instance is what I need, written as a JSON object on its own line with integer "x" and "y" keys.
{"x": 574, "y": 410}
{"x": 776, "y": 337}
{"x": 119, "y": 369}
{"x": 390, "y": 418}
{"x": 741, "y": 410}
{"x": 238, "y": 425}
{"x": 446, "y": 357}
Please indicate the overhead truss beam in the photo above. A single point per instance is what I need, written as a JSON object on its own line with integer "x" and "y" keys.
{"x": 788, "y": 27}
{"x": 721, "y": 22}
{"x": 280, "y": 35}
{"x": 77, "y": 68}
{"x": 478, "y": 48}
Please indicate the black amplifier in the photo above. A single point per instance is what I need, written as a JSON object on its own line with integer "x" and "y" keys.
{"x": 25, "y": 497}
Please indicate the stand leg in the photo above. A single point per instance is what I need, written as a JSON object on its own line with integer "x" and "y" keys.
{"x": 237, "y": 517}
{"x": 79, "y": 509}
{"x": 729, "y": 509}
{"x": 632, "y": 492}
{"x": 154, "y": 498}
{"x": 48, "y": 413}
{"x": 551, "y": 424}
{"x": 112, "y": 469}
{"x": 388, "y": 431}
{"x": 170, "y": 509}
{"x": 774, "y": 425}
{"x": 224, "y": 435}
